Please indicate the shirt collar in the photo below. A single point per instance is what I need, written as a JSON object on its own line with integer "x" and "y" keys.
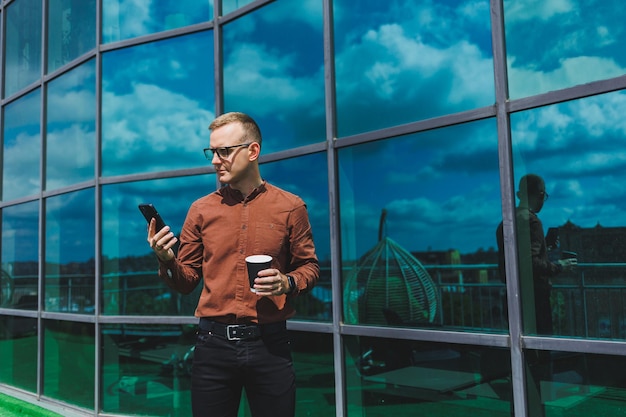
{"x": 234, "y": 196}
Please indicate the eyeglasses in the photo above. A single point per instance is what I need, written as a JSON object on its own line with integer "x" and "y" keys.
{"x": 545, "y": 195}
{"x": 224, "y": 152}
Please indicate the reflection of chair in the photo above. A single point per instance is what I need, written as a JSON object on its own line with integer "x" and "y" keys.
{"x": 389, "y": 286}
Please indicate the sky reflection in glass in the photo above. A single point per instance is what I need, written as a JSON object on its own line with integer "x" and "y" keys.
{"x": 157, "y": 103}
{"x": 400, "y": 61}
{"x": 71, "y": 106}
{"x": 579, "y": 148}
{"x": 274, "y": 71}
{"x": 440, "y": 189}
{"x": 125, "y": 19}
{"x": 558, "y": 44}
{"x": 20, "y": 235}
{"x": 22, "y": 147}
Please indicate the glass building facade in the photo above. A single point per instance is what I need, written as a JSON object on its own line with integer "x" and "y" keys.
{"x": 405, "y": 125}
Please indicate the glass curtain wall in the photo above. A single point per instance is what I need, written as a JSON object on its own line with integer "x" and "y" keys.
{"x": 461, "y": 161}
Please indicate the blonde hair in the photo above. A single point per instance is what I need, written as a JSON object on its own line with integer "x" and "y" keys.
{"x": 251, "y": 129}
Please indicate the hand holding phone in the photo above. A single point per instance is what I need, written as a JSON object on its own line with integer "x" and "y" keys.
{"x": 149, "y": 212}
{"x": 166, "y": 250}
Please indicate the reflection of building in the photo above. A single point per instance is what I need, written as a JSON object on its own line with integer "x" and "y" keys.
{"x": 594, "y": 244}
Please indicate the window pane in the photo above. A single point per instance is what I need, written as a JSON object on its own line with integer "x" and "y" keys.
{"x": 71, "y": 125}
{"x": 130, "y": 282}
{"x": 70, "y": 249}
{"x": 315, "y": 374}
{"x": 575, "y": 384}
{"x": 18, "y": 352}
{"x": 579, "y": 156}
{"x": 22, "y": 147}
{"x": 146, "y": 369}
{"x": 232, "y": 5}
{"x": 387, "y": 377}
{"x": 418, "y": 221}
{"x": 398, "y": 62}
{"x": 71, "y": 30}
{"x": 157, "y": 103}
{"x": 20, "y": 254}
{"x": 69, "y": 364}
{"x": 554, "y": 45}
{"x": 125, "y": 19}
{"x": 275, "y": 72}
{"x": 307, "y": 178}
{"x": 23, "y": 45}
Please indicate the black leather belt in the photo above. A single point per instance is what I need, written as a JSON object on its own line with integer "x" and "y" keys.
{"x": 240, "y": 331}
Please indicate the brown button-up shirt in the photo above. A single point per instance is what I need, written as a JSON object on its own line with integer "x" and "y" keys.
{"x": 220, "y": 230}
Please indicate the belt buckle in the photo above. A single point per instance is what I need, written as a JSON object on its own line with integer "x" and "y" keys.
{"x": 231, "y": 332}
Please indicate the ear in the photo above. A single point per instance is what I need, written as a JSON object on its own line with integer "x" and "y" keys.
{"x": 254, "y": 151}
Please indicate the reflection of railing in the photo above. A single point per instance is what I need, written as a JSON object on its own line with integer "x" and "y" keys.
{"x": 589, "y": 302}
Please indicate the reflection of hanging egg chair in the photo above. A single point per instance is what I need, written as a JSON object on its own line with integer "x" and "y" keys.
{"x": 389, "y": 286}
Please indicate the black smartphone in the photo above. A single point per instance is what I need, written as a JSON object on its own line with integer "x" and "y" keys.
{"x": 149, "y": 212}
{"x": 552, "y": 237}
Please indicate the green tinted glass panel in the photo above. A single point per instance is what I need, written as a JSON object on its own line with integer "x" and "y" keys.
{"x": 555, "y": 45}
{"x": 398, "y": 62}
{"x": 70, "y": 249}
{"x": 20, "y": 254}
{"x": 71, "y": 125}
{"x": 22, "y": 45}
{"x": 129, "y": 267}
{"x": 307, "y": 178}
{"x": 418, "y": 221}
{"x": 71, "y": 30}
{"x": 69, "y": 362}
{"x": 275, "y": 72}
{"x": 125, "y": 19}
{"x": 575, "y": 384}
{"x": 22, "y": 147}
{"x": 18, "y": 352}
{"x": 387, "y": 377}
{"x": 579, "y": 158}
{"x": 157, "y": 103}
{"x": 146, "y": 369}
{"x": 313, "y": 362}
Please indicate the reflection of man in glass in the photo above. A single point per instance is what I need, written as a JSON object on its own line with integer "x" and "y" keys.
{"x": 532, "y": 249}
{"x": 242, "y": 338}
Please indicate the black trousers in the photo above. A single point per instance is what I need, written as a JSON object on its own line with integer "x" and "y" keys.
{"x": 261, "y": 365}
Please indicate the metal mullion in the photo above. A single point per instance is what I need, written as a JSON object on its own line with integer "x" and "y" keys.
{"x": 218, "y": 63}
{"x": 3, "y": 17}
{"x": 507, "y": 190}
{"x": 333, "y": 202}
{"x": 42, "y": 206}
{"x": 98, "y": 214}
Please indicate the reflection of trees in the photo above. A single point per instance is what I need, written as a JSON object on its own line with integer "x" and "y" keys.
{"x": 142, "y": 263}
{"x": 6, "y": 288}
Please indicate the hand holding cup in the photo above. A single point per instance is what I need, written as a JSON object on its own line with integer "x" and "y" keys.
{"x": 255, "y": 264}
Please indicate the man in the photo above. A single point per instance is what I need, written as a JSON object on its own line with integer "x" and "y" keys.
{"x": 532, "y": 249}
{"x": 242, "y": 340}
